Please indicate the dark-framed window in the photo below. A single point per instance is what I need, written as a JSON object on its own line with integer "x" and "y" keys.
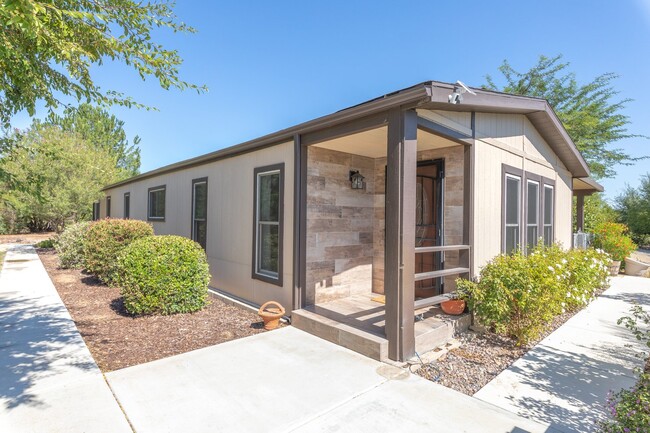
{"x": 156, "y": 203}
{"x": 127, "y": 205}
{"x": 548, "y": 210}
{"x": 200, "y": 211}
{"x": 108, "y": 206}
{"x": 96, "y": 210}
{"x": 512, "y": 179}
{"x": 268, "y": 223}
{"x": 532, "y": 213}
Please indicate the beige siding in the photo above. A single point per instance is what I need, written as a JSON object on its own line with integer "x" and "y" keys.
{"x": 230, "y": 218}
{"x": 511, "y": 139}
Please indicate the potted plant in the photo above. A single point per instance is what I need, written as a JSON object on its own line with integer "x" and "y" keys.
{"x": 457, "y": 302}
{"x": 613, "y": 239}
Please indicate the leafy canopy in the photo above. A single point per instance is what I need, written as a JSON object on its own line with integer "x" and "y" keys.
{"x": 633, "y": 206}
{"x": 47, "y": 49}
{"x": 589, "y": 112}
{"x": 105, "y": 131}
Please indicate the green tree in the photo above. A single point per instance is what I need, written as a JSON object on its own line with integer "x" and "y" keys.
{"x": 597, "y": 211}
{"x": 633, "y": 206}
{"x": 47, "y": 50}
{"x": 589, "y": 112}
{"x": 66, "y": 173}
{"x": 102, "y": 129}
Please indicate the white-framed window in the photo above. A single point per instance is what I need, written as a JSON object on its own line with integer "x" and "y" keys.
{"x": 532, "y": 213}
{"x": 156, "y": 203}
{"x": 512, "y": 212}
{"x": 548, "y": 214}
{"x": 267, "y": 246}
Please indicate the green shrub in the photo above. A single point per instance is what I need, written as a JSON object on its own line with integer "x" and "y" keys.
{"x": 613, "y": 238}
{"x": 70, "y": 245}
{"x": 46, "y": 243}
{"x": 164, "y": 275}
{"x": 588, "y": 272}
{"x": 104, "y": 242}
{"x": 518, "y": 295}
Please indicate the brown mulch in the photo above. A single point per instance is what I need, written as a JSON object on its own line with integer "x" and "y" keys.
{"x": 26, "y": 238}
{"x": 480, "y": 358}
{"x": 118, "y": 340}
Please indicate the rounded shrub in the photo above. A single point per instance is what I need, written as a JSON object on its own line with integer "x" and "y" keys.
{"x": 164, "y": 275}
{"x": 70, "y": 245}
{"x": 104, "y": 242}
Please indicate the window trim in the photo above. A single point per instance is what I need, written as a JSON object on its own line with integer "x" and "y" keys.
{"x": 509, "y": 171}
{"x": 108, "y": 206}
{"x": 127, "y": 195}
{"x": 149, "y": 191}
{"x": 550, "y": 183}
{"x": 195, "y": 182}
{"x": 278, "y": 281}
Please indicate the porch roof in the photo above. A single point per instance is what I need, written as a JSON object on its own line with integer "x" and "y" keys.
{"x": 429, "y": 94}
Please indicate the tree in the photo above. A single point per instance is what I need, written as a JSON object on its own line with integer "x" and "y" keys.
{"x": 596, "y": 211}
{"x": 102, "y": 129}
{"x": 66, "y": 174}
{"x": 47, "y": 50}
{"x": 633, "y": 206}
{"x": 589, "y": 112}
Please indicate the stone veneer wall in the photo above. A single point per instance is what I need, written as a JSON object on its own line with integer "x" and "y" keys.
{"x": 339, "y": 226}
{"x": 453, "y": 211}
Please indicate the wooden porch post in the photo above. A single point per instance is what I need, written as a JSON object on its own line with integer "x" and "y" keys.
{"x": 580, "y": 211}
{"x": 399, "y": 266}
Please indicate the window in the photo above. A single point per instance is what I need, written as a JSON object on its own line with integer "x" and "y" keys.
{"x": 199, "y": 210}
{"x": 108, "y": 206}
{"x": 156, "y": 206}
{"x": 548, "y": 214}
{"x": 512, "y": 212}
{"x": 127, "y": 205}
{"x": 96, "y": 215}
{"x": 532, "y": 214}
{"x": 268, "y": 230}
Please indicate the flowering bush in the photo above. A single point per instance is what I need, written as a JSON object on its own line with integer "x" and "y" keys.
{"x": 518, "y": 295}
{"x": 613, "y": 238}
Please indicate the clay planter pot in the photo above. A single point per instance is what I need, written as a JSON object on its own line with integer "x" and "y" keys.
{"x": 614, "y": 267}
{"x": 635, "y": 267}
{"x": 454, "y": 307}
{"x": 271, "y": 313}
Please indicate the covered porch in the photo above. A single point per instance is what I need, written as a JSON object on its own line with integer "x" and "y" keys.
{"x": 381, "y": 256}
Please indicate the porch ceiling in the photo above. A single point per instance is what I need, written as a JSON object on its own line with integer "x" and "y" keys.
{"x": 372, "y": 143}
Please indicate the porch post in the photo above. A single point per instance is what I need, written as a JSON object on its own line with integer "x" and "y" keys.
{"x": 580, "y": 211}
{"x": 300, "y": 223}
{"x": 399, "y": 266}
{"x": 467, "y": 256}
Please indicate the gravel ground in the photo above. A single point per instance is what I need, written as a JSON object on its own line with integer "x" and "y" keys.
{"x": 117, "y": 340}
{"x": 479, "y": 359}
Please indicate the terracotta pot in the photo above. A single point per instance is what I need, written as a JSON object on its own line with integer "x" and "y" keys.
{"x": 454, "y": 307}
{"x": 614, "y": 267}
{"x": 271, "y": 312}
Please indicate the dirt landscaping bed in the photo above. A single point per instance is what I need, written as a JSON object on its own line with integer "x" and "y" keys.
{"x": 117, "y": 339}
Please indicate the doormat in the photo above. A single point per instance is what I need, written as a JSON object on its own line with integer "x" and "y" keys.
{"x": 381, "y": 299}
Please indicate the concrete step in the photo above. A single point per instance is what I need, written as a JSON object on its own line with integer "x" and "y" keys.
{"x": 433, "y": 329}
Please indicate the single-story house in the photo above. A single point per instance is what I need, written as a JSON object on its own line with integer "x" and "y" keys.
{"x": 397, "y": 196}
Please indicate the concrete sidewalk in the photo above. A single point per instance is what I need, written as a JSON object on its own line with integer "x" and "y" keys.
{"x": 564, "y": 380}
{"x": 49, "y": 382}
{"x": 290, "y": 381}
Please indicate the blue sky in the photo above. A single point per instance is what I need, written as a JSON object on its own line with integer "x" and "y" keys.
{"x": 270, "y": 65}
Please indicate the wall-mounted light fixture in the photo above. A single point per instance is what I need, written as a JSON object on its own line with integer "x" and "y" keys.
{"x": 356, "y": 180}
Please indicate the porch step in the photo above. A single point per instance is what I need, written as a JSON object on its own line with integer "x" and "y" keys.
{"x": 434, "y": 329}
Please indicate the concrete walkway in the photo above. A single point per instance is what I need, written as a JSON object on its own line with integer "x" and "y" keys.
{"x": 564, "y": 380}
{"x": 290, "y": 381}
{"x": 49, "y": 382}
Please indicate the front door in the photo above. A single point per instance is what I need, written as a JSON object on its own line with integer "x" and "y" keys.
{"x": 429, "y": 225}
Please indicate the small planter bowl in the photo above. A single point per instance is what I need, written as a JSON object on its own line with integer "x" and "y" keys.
{"x": 454, "y": 307}
{"x": 271, "y": 312}
{"x": 635, "y": 267}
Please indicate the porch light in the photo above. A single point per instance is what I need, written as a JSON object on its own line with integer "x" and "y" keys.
{"x": 356, "y": 180}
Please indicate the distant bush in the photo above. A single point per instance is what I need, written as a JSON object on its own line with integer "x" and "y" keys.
{"x": 70, "y": 245}
{"x": 518, "y": 295}
{"x": 46, "y": 243}
{"x": 104, "y": 242}
{"x": 164, "y": 275}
